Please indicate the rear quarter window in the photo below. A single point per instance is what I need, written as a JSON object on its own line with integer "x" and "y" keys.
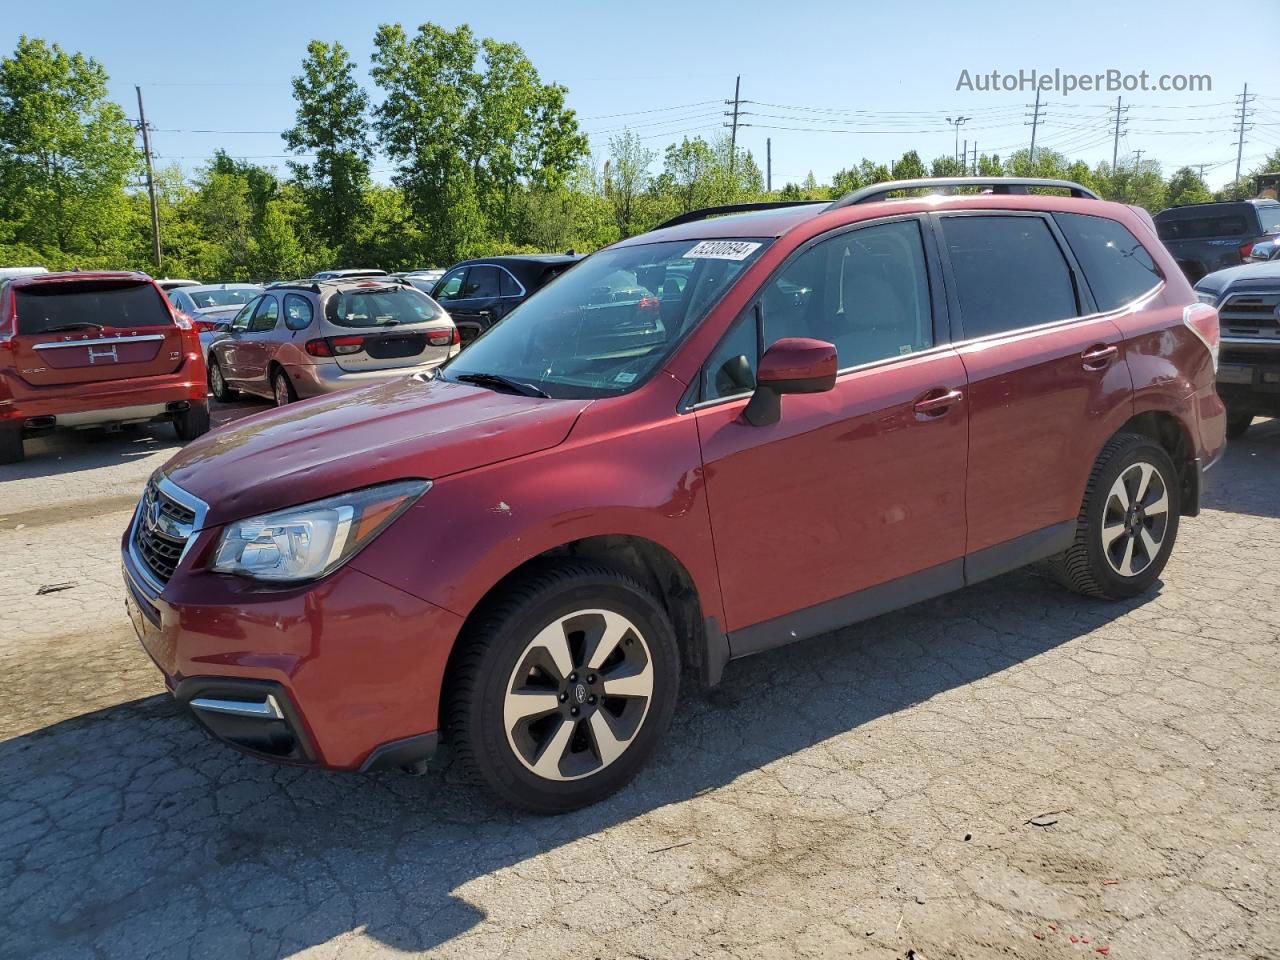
{"x": 47, "y": 307}
{"x": 1116, "y": 265}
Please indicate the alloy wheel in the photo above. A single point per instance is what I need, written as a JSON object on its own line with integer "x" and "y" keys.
{"x": 1135, "y": 520}
{"x": 280, "y": 387}
{"x": 578, "y": 695}
{"x": 215, "y": 379}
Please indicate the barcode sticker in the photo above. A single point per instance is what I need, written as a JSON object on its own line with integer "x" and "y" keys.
{"x": 722, "y": 250}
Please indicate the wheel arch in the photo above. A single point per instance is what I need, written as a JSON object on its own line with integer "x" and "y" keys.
{"x": 703, "y": 647}
{"x": 1173, "y": 435}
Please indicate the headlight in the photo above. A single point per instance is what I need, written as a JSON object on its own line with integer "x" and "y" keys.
{"x": 308, "y": 541}
{"x": 1206, "y": 296}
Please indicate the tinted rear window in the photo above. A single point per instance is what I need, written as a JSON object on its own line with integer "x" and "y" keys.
{"x": 1009, "y": 271}
{"x": 46, "y": 307}
{"x": 1117, "y": 266}
{"x": 380, "y": 307}
{"x": 1233, "y": 224}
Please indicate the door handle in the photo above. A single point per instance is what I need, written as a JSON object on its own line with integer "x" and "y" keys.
{"x": 1099, "y": 356}
{"x": 937, "y": 402}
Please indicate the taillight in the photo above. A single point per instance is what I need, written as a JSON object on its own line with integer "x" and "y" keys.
{"x": 182, "y": 321}
{"x": 443, "y": 338}
{"x": 334, "y": 346}
{"x": 206, "y": 326}
{"x": 1202, "y": 320}
{"x": 1246, "y": 249}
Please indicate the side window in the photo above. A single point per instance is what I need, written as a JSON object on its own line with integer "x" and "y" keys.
{"x": 482, "y": 283}
{"x": 297, "y": 312}
{"x": 241, "y": 322}
{"x": 1009, "y": 273}
{"x": 268, "y": 313}
{"x": 1119, "y": 268}
{"x": 507, "y": 285}
{"x": 864, "y": 290}
{"x": 450, "y": 287}
{"x": 730, "y": 370}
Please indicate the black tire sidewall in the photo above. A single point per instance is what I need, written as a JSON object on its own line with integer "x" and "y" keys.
{"x": 491, "y": 750}
{"x": 1112, "y": 582}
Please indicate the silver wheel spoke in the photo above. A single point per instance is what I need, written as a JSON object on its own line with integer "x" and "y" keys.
{"x": 553, "y": 640}
{"x": 615, "y": 627}
{"x": 636, "y": 685}
{"x": 1146, "y": 471}
{"x": 608, "y": 746}
{"x": 1160, "y": 506}
{"x": 521, "y": 704}
{"x": 1126, "y": 562}
{"x": 548, "y": 762}
{"x": 1120, "y": 492}
{"x": 1111, "y": 534}
{"x": 1150, "y": 544}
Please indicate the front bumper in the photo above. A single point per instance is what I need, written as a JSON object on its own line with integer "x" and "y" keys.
{"x": 344, "y": 673}
{"x": 1249, "y": 375}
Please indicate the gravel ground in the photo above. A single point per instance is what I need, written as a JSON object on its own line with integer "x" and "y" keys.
{"x": 1003, "y": 772}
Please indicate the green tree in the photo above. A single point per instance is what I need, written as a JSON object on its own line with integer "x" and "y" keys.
{"x": 332, "y": 124}
{"x": 627, "y": 179}
{"x": 908, "y": 167}
{"x": 1186, "y": 186}
{"x": 470, "y": 125}
{"x": 66, "y": 156}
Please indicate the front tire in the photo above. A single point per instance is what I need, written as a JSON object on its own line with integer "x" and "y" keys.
{"x": 1237, "y": 424}
{"x": 282, "y": 389}
{"x": 1127, "y": 524}
{"x": 563, "y": 687}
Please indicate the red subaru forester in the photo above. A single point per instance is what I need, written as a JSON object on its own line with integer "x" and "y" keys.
{"x": 737, "y": 430}
{"x": 95, "y": 350}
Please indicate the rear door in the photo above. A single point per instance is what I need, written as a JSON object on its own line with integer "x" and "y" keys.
{"x": 93, "y": 330}
{"x": 475, "y": 305}
{"x": 1048, "y": 382}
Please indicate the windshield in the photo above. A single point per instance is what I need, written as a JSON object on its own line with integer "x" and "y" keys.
{"x": 205, "y": 299}
{"x": 381, "y": 307}
{"x": 607, "y": 324}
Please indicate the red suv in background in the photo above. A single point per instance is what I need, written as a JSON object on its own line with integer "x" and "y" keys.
{"x": 95, "y": 349}
{"x": 719, "y": 437}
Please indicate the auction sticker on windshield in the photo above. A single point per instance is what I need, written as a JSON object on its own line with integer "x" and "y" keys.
{"x": 722, "y": 250}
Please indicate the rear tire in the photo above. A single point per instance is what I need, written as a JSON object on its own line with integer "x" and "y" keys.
{"x": 562, "y": 688}
{"x": 1237, "y": 424}
{"x": 191, "y": 422}
{"x": 282, "y": 389}
{"x": 218, "y": 383}
{"x": 1127, "y": 524}
{"x": 11, "y": 445}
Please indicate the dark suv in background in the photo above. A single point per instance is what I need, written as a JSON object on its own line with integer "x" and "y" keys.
{"x": 1248, "y": 302}
{"x": 1204, "y": 237}
{"x": 479, "y": 293}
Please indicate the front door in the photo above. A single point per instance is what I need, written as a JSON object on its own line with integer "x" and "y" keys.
{"x": 255, "y": 346}
{"x": 854, "y": 501}
{"x": 1048, "y": 382}
{"x": 472, "y": 301}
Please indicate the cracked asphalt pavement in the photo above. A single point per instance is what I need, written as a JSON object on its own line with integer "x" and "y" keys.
{"x": 995, "y": 772}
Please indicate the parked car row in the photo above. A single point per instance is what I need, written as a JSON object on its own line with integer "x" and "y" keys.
{"x": 727, "y": 434}
{"x": 1206, "y": 237}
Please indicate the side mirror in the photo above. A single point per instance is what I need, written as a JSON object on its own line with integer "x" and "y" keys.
{"x": 791, "y": 365}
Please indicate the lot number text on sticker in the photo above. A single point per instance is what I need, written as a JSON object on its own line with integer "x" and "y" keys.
{"x": 722, "y": 250}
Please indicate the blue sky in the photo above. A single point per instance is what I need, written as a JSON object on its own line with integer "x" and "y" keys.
{"x": 808, "y": 68}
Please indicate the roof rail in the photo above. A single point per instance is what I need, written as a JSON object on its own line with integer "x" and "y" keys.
{"x": 706, "y": 212}
{"x": 877, "y": 191}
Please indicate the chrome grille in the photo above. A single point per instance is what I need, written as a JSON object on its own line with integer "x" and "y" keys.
{"x": 161, "y": 531}
{"x": 1251, "y": 314}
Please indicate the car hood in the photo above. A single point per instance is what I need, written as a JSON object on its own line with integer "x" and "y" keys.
{"x": 405, "y": 428}
{"x": 219, "y": 313}
{"x": 1268, "y": 271}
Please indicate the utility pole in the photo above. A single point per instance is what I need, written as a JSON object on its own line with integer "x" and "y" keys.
{"x": 768, "y": 164}
{"x": 955, "y": 122}
{"x": 1137, "y": 159}
{"x": 1035, "y": 123}
{"x": 1200, "y": 167}
{"x": 151, "y": 182}
{"x": 1244, "y": 99}
{"x": 1115, "y": 143}
{"x": 975, "y": 158}
{"x": 964, "y": 157}
{"x": 733, "y": 136}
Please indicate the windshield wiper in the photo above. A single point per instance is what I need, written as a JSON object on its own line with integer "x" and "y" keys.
{"x": 498, "y": 380}
{"x": 78, "y": 325}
